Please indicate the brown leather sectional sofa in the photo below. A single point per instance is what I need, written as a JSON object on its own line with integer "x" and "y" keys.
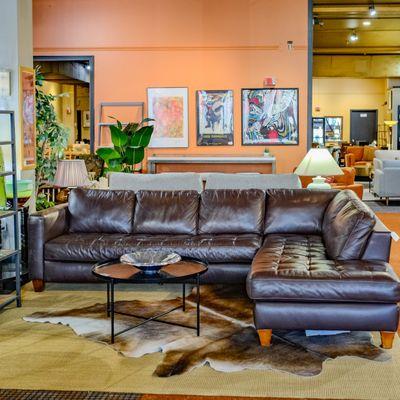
{"x": 312, "y": 259}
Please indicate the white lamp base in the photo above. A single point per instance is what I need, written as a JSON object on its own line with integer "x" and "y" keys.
{"x": 319, "y": 183}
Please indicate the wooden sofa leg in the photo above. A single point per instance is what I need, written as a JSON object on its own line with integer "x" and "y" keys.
{"x": 265, "y": 336}
{"x": 38, "y": 285}
{"x": 387, "y": 339}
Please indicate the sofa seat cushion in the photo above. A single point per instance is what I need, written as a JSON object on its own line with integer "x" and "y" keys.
{"x": 90, "y": 247}
{"x": 295, "y": 268}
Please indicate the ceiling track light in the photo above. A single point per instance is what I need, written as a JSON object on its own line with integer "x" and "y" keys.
{"x": 353, "y": 37}
{"x": 372, "y": 10}
{"x": 317, "y": 21}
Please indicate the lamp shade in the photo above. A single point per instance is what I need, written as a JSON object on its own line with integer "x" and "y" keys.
{"x": 390, "y": 123}
{"x": 71, "y": 173}
{"x": 318, "y": 162}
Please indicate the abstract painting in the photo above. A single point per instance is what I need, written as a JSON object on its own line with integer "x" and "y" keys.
{"x": 270, "y": 117}
{"x": 214, "y": 117}
{"x": 28, "y": 112}
{"x": 169, "y": 109}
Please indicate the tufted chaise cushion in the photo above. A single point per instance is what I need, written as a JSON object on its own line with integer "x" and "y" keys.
{"x": 295, "y": 268}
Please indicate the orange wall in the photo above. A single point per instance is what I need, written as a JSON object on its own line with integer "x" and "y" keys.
{"x": 199, "y": 44}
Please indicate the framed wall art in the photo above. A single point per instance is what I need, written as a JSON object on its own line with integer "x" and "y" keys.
{"x": 169, "y": 108}
{"x": 270, "y": 116}
{"x": 333, "y": 129}
{"x": 28, "y": 112}
{"x": 214, "y": 117}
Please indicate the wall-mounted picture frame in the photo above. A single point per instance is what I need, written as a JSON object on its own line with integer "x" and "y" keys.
{"x": 270, "y": 117}
{"x": 333, "y": 128}
{"x": 318, "y": 130}
{"x": 86, "y": 119}
{"x": 214, "y": 117}
{"x": 169, "y": 108}
{"x": 27, "y": 117}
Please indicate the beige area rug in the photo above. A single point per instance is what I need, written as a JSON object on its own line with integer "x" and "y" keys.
{"x": 46, "y": 356}
{"x": 228, "y": 340}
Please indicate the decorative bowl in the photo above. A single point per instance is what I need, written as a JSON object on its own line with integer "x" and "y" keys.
{"x": 150, "y": 261}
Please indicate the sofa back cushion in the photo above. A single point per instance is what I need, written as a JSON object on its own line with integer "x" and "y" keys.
{"x": 296, "y": 210}
{"x": 358, "y": 152}
{"x": 102, "y": 211}
{"x": 347, "y": 225}
{"x": 387, "y": 154}
{"x": 369, "y": 153}
{"x": 163, "y": 181}
{"x": 252, "y": 181}
{"x": 166, "y": 212}
{"x": 231, "y": 211}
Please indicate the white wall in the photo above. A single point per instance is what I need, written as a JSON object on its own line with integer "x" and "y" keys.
{"x": 15, "y": 50}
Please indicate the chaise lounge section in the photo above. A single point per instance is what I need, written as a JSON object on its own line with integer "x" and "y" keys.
{"x": 316, "y": 271}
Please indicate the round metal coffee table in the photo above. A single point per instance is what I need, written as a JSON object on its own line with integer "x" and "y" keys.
{"x": 183, "y": 272}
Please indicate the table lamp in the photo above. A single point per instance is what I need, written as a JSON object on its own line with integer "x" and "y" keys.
{"x": 318, "y": 163}
{"x": 70, "y": 174}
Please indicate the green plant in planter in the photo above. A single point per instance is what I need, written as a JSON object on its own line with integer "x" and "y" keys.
{"x": 129, "y": 144}
{"x": 51, "y": 135}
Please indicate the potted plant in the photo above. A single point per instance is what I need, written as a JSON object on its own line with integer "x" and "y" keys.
{"x": 129, "y": 143}
{"x": 51, "y": 140}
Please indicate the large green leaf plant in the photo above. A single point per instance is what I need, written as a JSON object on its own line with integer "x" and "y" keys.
{"x": 51, "y": 135}
{"x": 129, "y": 143}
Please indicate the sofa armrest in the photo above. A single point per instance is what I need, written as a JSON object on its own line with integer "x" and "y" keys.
{"x": 379, "y": 242}
{"x": 378, "y": 165}
{"x": 349, "y": 159}
{"x": 42, "y": 227}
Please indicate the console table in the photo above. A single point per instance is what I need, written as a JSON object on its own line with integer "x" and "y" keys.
{"x": 228, "y": 164}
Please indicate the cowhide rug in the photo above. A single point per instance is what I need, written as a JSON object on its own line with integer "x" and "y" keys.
{"x": 228, "y": 340}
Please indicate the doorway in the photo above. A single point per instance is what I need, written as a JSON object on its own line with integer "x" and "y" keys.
{"x": 71, "y": 78}
{"x": 363, "y": 126}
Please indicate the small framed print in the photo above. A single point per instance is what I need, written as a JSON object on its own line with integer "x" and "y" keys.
{"x": 169, "y": 109}
{"x": 214, "y": 117}
{"x": 270, "y": 116}
{"x": 28, "y": 114}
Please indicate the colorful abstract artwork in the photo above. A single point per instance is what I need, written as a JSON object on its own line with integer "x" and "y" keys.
{"x": 270, "y": 117}
{"x": 28, "y": 112}
{"x": 169, "y": 108}
{"x": 214, "y": 117}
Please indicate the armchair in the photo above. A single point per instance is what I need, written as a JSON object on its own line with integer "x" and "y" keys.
{"x": 361, "y": 158}
{"x": 386, "y": 181}
{"x": 340, "y": 182}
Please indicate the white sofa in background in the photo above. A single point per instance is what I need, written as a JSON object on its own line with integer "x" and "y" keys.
{"x": 386, "y": 183}
{"x": 166, "y": 181}
{"x": 387, "y": 154}
{"x": 196, "y": 181}
{"x": 252, "y": 181}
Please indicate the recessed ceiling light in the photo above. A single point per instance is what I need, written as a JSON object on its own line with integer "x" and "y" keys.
{"x": 366, "y": 23}
{"x": 372, "y": 11}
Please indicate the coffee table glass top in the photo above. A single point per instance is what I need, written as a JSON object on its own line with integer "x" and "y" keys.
{"x": 115, "y": 270}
